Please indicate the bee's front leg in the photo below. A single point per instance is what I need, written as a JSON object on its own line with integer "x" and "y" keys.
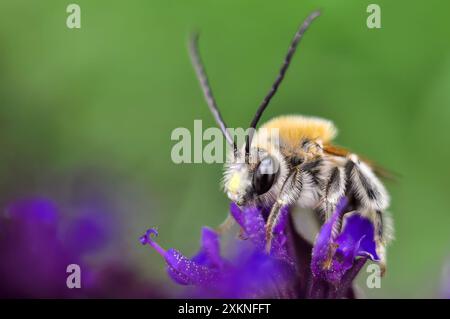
{"x": 288, "y": 194}
{"x": 226, "y": 225}
{"x": 272, "y": 221}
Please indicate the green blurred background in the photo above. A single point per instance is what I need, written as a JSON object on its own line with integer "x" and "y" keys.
{"x": 105, "y": 98}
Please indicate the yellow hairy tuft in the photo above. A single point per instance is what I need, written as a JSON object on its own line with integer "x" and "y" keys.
{"x": 294, "y": 128}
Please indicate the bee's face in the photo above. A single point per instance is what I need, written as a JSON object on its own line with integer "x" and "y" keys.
{"x": 252, "y": 182}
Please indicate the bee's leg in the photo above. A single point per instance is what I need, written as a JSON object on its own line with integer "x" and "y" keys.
{"x": 226, "y": 225}
{"x": 333, "y": 189}
{"x": 289, "y": 193}
{"x": 370, "y": 197}
{"x": 272, "y": 221}
{"x": 383, "y": 235}
{"x": 242, "y": 235}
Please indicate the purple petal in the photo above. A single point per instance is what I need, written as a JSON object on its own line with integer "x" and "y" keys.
{"x": 237, "y": 214}
{"x": 201, "y": 269}
{"x": 257, "y": 274}
{"x": 334, "y": 253}
{"x": 322, "y": 254}
{"x": 253, "y": 222}
{"x": 254, "y": 226}
{"x": 358, "y": 233}
{"x": 188, "y": 272}
{"x": 209, "y": 253}
{"x": 279, "y": 241}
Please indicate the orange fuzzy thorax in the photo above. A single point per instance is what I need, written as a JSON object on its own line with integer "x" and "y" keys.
{"x": 295, "y": 128}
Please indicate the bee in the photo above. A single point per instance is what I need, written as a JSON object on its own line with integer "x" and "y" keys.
{"x": 304, "y": 169}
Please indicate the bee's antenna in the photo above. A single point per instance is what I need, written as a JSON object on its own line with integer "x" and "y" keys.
{"x": 203, "y": 79}
{"x": 287, "y": 60}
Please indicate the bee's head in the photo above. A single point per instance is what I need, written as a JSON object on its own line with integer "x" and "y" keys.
{"x": 255, "y": 180}
{"x": 259, "y": 179}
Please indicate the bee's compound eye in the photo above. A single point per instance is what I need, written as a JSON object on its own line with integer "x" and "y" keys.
{"x": 265, "y": 175}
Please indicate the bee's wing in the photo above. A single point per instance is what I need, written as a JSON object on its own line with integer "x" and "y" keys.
{"x": 379, "y": 170}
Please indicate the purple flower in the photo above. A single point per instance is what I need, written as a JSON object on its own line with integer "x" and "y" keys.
{"x": 37, "y": 243}
{"x": 249, "y": 273}
{"x": 292, "y": 269}
{"x": 33, "y": 258}
{"x": 202, "y": 269}
{"x": 336, "y": 252}
{"x": 252, "y": 221}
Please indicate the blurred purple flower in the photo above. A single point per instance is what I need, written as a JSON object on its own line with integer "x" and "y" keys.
{"x": 37, "y": 243}
{"x": 33, "y": 262}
